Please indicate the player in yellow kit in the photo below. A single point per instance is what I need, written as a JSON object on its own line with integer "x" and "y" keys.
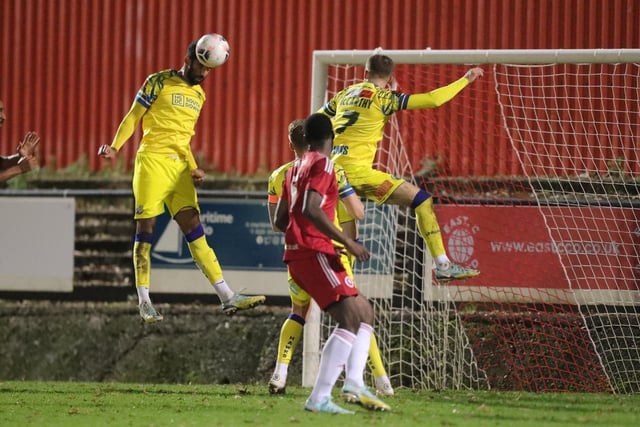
{"x": 350, "y": 209}
{"x": 169, "y": 104}
{"x": 360, "y": 113}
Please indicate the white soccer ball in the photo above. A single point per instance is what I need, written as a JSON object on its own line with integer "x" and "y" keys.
{"x": 212, "y": 50}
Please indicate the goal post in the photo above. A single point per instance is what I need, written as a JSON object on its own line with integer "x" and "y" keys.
{"x": 535, "y": 171}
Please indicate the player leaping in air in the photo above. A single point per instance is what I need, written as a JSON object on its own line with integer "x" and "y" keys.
{"x": 359, "y": 114}
{"x": 168, "y": 104}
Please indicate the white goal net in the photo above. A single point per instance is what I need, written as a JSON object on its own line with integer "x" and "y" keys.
{"x": 535, "y": 173}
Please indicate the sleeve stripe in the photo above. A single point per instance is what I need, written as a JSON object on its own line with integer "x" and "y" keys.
{"x": 347, "y": 192}
{"x": 328, "y": 110}
{"x": 403, "y": 101}
{"x": 328, "y": 166}
{"x": 142, "y": 101}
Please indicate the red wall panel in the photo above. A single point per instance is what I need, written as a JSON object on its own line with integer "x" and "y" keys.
{"x": 70, "y": 69}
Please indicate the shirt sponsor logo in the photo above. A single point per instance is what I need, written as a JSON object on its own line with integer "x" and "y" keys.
{"x": 184, "y": 101}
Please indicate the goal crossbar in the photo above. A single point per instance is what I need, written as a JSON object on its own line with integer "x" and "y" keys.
{"x": 323, "y": 58}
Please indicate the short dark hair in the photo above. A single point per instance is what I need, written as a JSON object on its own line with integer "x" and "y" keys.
{"x": 296, "y": 133}
{"x": 379, "y": 66}
{"x": 317, "y": 129}
{"x": 191, "y": 50}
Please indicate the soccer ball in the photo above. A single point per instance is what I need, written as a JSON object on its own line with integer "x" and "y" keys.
{"x": 212, "y": 50}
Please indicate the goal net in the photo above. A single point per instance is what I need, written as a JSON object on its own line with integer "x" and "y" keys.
{"x": 535, "y": 173}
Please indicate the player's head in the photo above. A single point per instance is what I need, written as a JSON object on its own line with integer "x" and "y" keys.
{"x": 318, "y": 133}
{"x": 193, "y": 71}
{"x": 379, "y": 67}
{"x": 296, "y": 136}
{"x": 2, "y": 116}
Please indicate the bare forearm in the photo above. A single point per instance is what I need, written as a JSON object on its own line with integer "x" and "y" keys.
{"x": 354, "y": 206}
{"x": 8, "y": 161}
{"x": 271, "y": 207}
{"x": 324, "y": 224}
{"x": 8, "y": 172}
{"x": 281, "y": 220}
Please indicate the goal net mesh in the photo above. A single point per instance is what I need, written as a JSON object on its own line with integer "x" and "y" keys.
{"x": 556, "y": 143}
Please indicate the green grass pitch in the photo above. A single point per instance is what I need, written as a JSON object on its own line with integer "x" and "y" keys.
{"x": 71, "y": 404}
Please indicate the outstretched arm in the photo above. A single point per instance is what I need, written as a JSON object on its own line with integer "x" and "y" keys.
{"x": 440, "y": 96}
{"x": 124, "y": 132}
{"x": 9, "y": 166}
{"x": 23, "y": 161}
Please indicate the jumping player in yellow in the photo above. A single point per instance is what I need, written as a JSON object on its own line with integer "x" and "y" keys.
{"x": 349, "y": 209}
{"x": 359, "y": 114}
{"x": 169, "y": 104}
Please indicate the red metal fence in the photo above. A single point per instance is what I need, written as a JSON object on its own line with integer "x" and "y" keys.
{"x": 70, "y": 69}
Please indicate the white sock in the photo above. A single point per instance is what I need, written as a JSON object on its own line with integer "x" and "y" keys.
{"x": 443, "y": 261}
{"x": 282, "y": 369}
{"x": 334, "y": 356}
{"x": 354, "y": 370}
{"x": 382, "y": 380}
{"x": 223, "y": 290}
{"x": 143, "y": 294}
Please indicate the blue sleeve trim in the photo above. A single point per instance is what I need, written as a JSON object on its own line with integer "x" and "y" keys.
{"x": 403, "y": 101}
{"x": 140, "y": 100}
{"x": 347, "y": 192}
{"x": 328, "y": 110}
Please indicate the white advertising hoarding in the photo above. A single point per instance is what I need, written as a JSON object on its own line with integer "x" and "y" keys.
{"x": 37, "y": 244}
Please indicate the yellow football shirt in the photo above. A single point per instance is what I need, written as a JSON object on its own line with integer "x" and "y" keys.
{"x": 361, "y": 111}
{"x": 173, "y": 108}
{"x": 276, "y": 181}
{"x": 277, "y": 177}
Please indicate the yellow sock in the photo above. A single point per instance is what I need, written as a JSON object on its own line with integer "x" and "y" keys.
{"x": 375, "y": 360}
{"x": 142, "y": 263}
{"x": 206, "y": 259}
{"x": 429, "y": 228}
{"x": 290, "y": 335}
